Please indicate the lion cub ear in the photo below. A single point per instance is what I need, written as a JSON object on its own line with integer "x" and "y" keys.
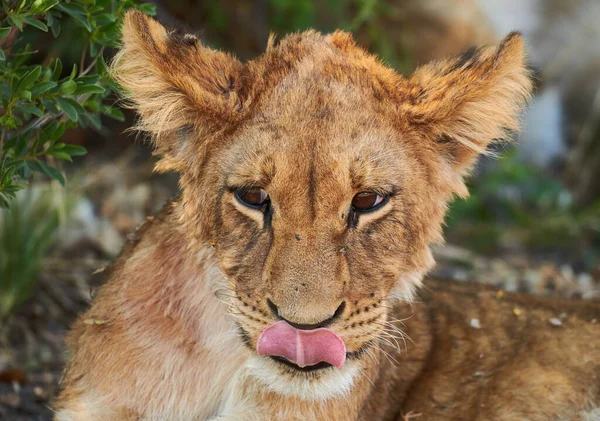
{"x": 469, "y": 101}
{"x": 181, "y": 89}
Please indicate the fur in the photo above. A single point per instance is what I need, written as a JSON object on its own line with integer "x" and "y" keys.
{"x": 314, "y": 121}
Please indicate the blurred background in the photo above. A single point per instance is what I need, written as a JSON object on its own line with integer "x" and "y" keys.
{"x": 532, "y": 223}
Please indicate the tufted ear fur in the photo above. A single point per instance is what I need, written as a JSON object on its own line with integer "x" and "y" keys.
{"x": 182, "y": 90}
{"x": 469, "y": 101}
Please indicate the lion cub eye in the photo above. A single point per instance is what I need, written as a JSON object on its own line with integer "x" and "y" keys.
{"x": 367, "y": 201}
{"x": 253, "y": 198}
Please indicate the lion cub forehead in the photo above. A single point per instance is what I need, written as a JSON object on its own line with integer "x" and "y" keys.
{"x": 322, "y": 116}
{"x": 348, "y": 157}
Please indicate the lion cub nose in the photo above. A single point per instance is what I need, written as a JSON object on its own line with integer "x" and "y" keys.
{"x": 304, "y": 326}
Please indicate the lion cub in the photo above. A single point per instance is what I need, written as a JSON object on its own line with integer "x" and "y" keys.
{"x": 281, "y": 284}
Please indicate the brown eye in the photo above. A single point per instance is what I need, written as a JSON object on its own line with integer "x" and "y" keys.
{"x": 367, "y": 201}
{"x": 253, "y": 198}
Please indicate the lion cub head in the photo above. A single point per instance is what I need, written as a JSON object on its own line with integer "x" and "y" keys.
{"x": 320, "y": 176}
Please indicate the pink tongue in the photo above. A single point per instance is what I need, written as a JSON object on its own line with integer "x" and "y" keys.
{"x": 302, "y": 347}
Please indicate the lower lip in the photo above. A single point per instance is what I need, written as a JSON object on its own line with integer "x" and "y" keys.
{"x": 316, "y": 367}
{"x": 321, "y": 365}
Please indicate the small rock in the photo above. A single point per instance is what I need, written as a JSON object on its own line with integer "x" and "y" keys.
{"x": 475, "y": 324}
{"x": 555, "y": 321}
{"x": 41, "y": 395}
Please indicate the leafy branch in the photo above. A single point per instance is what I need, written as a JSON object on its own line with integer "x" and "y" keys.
{"x": 40, "y": 97}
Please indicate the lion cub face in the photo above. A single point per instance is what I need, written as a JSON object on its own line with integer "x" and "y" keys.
{"x": 320, "y": 176}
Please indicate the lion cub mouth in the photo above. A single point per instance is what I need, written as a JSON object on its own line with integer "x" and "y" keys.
{"x": 306, "y": 349}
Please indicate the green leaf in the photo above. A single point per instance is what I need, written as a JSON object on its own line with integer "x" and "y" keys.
{"x": 14, "y": 84}
{"x": 29, "y": 79}
{"x": 58, "y": 132}
{"x": 53, "y": 131}
{"x": 35, "y": 23}
{"x": 42, "y": 6}
{"x": 25, "y": 95}
{"x": 4, "y": 32}
{"x": 42, "y": 167}
{"x": 21, "y": 148}
{"x": 49, "y": 105}
{"x": 87, "y": 80}
{"x": 105, "y": 18}
{"x": 94, "y": 49}
{"x": 60, "y": 155}
{"x": 57, "y": 69}
{"x": 67, "y": 108}
{"x": 77, "y": 12}
{"x": 73, "y": 72}
{"x": 68, "y": 87}
{"x": 109, "y": 42}
{"x": 47, "y": 75}
{"x": 29, "y": 108}
{"x": 40, "y": 88}
{"x": 46, "y": 132}
{"x": 78, "y": 107}
{"x": 92, "y": 104}
{"x": 114, "y": 113}
{"x": 54, "y": 24}
{"x": 2, "y": 56}
{"x": 109, "y": 34}
{"x": 17, "y": 21}
{"x": 94, "y": 120}
{"x": 71, "y": 8}
{"x": 89, "y": 89}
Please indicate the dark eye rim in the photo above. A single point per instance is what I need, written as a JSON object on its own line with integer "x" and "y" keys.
{"x": 384, "y": 201}
{"x": 238, "y": 192}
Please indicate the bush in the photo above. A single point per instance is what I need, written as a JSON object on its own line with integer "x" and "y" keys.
{"x": 42, "y": 96}
{"x": 53, "y": 77}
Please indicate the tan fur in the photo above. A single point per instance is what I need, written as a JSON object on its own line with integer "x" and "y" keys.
{"x": 314, "y": 121}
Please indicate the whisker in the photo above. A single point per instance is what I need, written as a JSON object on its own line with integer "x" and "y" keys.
{"x": 367, "y": 377}
{"x": 402, "y": 336}
{"x": 394, "y": 338}
{"x": 386, "y": 340}
{"x": 371, "y": 354}
{"x": 390, "y": 358}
